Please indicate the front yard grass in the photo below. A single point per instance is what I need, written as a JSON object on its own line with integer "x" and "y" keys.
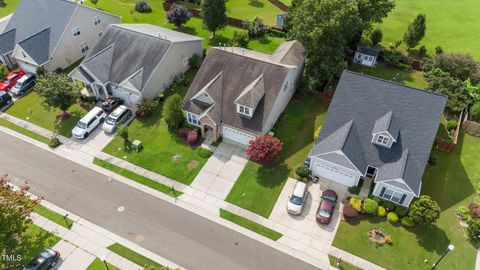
{"x": 414, "y": 78}
{"x": 163, "y": 151}
{"x": 29, "y": 108}
{"x": 53, "y": 216}
{"x": 137, "y": 178}
{"x": 248, "y": 10}
{"x": 9, "y": 7}
{"x": 34, "y": 240}
{"x": 253, "y": 226}
{"x": 24, "y": 131}
{"x": 97, "y": 264}
{"x": 134, "y": 256}
{"x": 258, "y": 186}
{"x": 451, "y": 183}
{"x": 125, "y": 9}
{"x": 343, "y": 264}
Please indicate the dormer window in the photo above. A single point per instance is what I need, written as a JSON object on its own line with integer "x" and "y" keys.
{"x": 244, "y": 110}
{"x": 382, "y": 140}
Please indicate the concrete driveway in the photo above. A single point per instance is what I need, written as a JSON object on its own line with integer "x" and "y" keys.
{"x": 222, "y": 169}
{"x": 303, "y": 228}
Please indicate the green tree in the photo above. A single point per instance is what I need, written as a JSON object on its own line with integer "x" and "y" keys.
{"x": 324, "y": 27}
{"x": 415, "y": 31}
{"x": 214, "y": 15}
{"x": 56, "y": 91}
{"x": 3, "y": 72}
{"x": 15, "y": 209}
{"x": 459, "y": 66}
{"x": 474, "y": 230}
{"x": 424, "y": 210}
{"x": 123, "y": 133}
{"x": 94, "y": 2}
{"x": 172, "y": 112}
{"x": 441, "y": 82}
{"x": 475, "y": 112}
{"x": 373, "y": 11}
{"x": 240, "y": 39}
{"x": 376, "y": 36}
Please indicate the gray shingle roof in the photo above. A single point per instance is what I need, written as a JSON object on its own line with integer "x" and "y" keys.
{"x": 368, "y": 50}
{"x": 253, "y": 93}
{"x": 387, "y": 123}
{"x": 38, "y": 46}
{"x": 290, "y": 53}
{"x": 34, "y": 16}
{"x": 121, "y": 52}
{"x": 7, "y": 41}
{"x": 366, "y": 99}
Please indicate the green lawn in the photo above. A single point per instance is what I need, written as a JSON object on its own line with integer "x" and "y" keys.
{"x": 53, "y": 216}
{"x": 413, "y": 79}
{"x": 258, "y": 186}
{"x": 8, "y": 8}
{"x": 451, "y": 183}
{"x": 24, "y": 131}
{"x": 125, "y": 9}
{"x": 97, "y": 264}
{"x": 248, "y": 9}
{"x": 453, "y": 25}
{"x": 343, "y": 264}
{"x": 246, "y": 223}
{"x": 163, "y": 152}
{"x": 133, "y": 256}
{"x": 137, "y": 178}
{"x": 29, "y": 108}
{"x": 33, "y": 241}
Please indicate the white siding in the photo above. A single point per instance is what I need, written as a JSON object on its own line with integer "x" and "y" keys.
{"x": 341, "y": 172}
{"x": 408, "y": 198}
{"x": 172, "y": 64}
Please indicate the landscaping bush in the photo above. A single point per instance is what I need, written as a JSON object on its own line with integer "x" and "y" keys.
{"x": 433, "y": 160}
{"x": 370, "y": 206}
{"x": 316, "y": 133}
{"x": 145, "y": 108}
{"x": 475, "y": 112}
{"x": 424, "y": 210}
{"x": 408, "y": 222}
{"x": 264, "y": 149}
{"x": 375, "y": 198}
{"x": 404, "y": 67}
{"x": 422, "y": 51}
{"x": 192, "y": 137}
{"x": 474, "y": 209}
{"x": 88, "y": 100}
{"x": 376, "y": 36}
{"x": 452, "y": 125}
{"x": 356, "y": 189}
{"x": 349, "y": 212}
{"x": 356, "y": 203}
{"x": 183, "y": 132}
{"x": 195, "y": 61}
{"x": 3, "y": 72}
{"x": 464, "y": 213}
{"x": 390, "y": 206}
{"x": 401, "y": 211}
{"x": 143, "y": 6}
{"x": 392, "y": 217}
{"x": 204, "y": 153}
{"x": 438, "y": 50}
{"x": 256, "y": 28}
{"x": 54, "y": 142}
{"x": 392, "y": 58}
{"x": 276, "y": 33}
{"x": 123, "y": 133}
{"x": 240, "y": 39}
{"x": 41, "y": 71}
{"x": 173, "y": 113}
{"x": 178, "y": 15}
{"x": 381, "y": 212}
{"x": 302, "y": 171}
{"x": 474, "y": 230}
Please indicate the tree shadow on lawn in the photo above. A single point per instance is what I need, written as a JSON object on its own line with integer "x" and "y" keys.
{"x": 430, "y": 237}
{"x": 65, "y": 127}
{"x": 188, "y": 30}
{"x": 256, "y": 3}
{"x": 272, "y": 175}
{"x": 219, "y": 40}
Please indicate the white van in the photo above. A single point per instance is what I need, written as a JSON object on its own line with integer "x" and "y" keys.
{"x": 88, "y": 123}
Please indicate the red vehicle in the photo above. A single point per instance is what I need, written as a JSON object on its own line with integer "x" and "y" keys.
{"x": 327, "y": 204}
{"x": 11, "y": 79}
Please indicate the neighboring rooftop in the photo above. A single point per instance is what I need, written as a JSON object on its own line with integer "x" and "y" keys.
{"x": 368, "y": 50}
{"x": 363, "y": 105}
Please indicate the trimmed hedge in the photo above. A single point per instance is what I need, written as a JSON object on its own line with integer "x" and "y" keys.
{"x": 408, "y": 222}
{"x": 370, "y": 206}
{"x": 302, "y": 171}
{"x": 381, "y": 212}
{"x": 356, "y": 203}
{"x": 392, "y": 217}
{"x": 401, "y": 211}
{"x": 390, "y": 206}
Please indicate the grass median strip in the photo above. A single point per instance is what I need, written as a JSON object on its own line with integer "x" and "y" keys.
{"x": 134, "y": 256}
{"x": 53, "y": 216}
{"x": 24, "y": 131}
{"x": 137, "y": 178}
{"x": 253, "y": 226}
{"x": 334, "y": 261}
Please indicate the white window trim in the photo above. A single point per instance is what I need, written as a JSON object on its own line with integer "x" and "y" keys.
{"x": 392, "y": 195}
{"x": 383, "y": 140}
{"x": 76, "y": 30}
{"x": 244, "y": 110}
{"x": 84, "y": 47}
{"x": 96, "y": 20}
{"x": 193, "y": 119}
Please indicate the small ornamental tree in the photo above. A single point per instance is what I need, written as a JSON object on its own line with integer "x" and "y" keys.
{"x": 57, "y": 91}
{"x": 424, "y": 210}
{"x": 15, "y": 209}
{"x": 94, "y": 2}
{"x": 264, "y": 148}
{"x": 143, "y": 6}
{"x": 172, "y": 112}
{"x": 474, "y": 230}
{"x": 178, "y": 15}
{"x": 370, "y": 206}
{"x": 415, "y": 31}
{"x": 123, "y": 133}
{"x": 376, "y": 36}
{"x": 3, "y": 72}
{"x": 256, "y": 28}
{"x": 214, "y": 15}
{"x": 240, "y": 39}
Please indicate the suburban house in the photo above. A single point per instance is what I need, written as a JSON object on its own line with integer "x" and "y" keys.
{"x": 239, "y": 94}
{"x": 51, "y": 33}
{"x": 366, "y": 56}
{"x": 134, "y": 61}
{"x": 380, "y": 130}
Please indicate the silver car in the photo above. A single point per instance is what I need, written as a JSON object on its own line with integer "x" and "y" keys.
{"x": 119, "y": 116}
{"x": 23, "y": 85}
{"x": 297, "y": 199}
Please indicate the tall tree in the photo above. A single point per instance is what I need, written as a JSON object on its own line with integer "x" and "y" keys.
{"x": 441, "y": 82}
{"x": 57, "y": 91}
{"x": 415, "y": 31}
{"x": 15, "y": 209}
{"x": 324, "y": 27}
{"x": 376, "y": 36}
{"x": 178, "y": 15}
{"x": 214, "y": 15}
{"x": 424, "y": 210}
{"x": 373, "y": 11}
{"x": 172, "y": 111}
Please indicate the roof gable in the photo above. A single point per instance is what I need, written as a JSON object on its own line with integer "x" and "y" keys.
{"x": 7, "y": 41}
{"x": 100, "y": 63}
{"x": 253, "y": 93}
{"x": 38, "y": 46}
{"x": 387, "y": 123}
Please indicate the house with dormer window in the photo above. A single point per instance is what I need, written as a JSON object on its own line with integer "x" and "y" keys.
{"x": 239, "y": 93}
{"x": 380, "y": 130}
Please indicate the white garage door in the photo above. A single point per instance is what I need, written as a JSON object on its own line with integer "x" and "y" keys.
{"x": 335, "y": 174}
{"x": 236, "y": 136}
{"x": 28, "y": 68}
{"x": 128, "y": 97}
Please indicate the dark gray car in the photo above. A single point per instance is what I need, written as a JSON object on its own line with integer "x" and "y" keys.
{"x": 23, "y": 85}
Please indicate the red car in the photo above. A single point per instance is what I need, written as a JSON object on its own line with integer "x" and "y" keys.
{"x": 327, "y": 204}
{"x": 11, "y": 79}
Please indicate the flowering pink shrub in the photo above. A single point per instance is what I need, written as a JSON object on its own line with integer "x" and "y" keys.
{"x": 192, "y": 137}
{"x": 264, "y": 148}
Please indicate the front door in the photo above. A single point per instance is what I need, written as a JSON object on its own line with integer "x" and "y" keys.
{"x": 371, "y": 171}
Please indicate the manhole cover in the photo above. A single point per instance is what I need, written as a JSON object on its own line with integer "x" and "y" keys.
{"x": 121, "y": 209}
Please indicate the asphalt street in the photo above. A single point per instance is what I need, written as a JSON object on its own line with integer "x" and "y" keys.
{"x": 181, "y": 236}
